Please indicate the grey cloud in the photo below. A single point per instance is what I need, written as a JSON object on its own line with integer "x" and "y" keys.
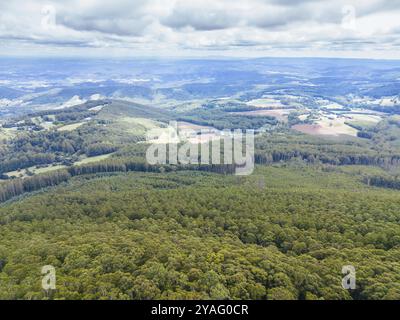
{"x": 120, "y": 17}
{"x": 198, "y": 24}
{"x": 122, "y": 27}
{"x": 200, "y": 18}
{"x": 258, "y": 13}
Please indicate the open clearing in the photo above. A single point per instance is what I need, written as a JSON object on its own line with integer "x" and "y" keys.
{"x": 335, "y": 127}
{"x": 266, "y": 103}
{"x": 363, "y": 119}
{"x": 204, "y": 134}
{"x": 188, "y": 132}
{"x": 303, "y": 117}
{"x": 7, "y": 133}
{"x": 93, "y": 159}
{"x": 23, "y": 173}
{"x": 204, "y": 138}
{"x": 48, "y": 169}
{"x": 71, "y": 127}
{"x": 280, "y": 114}
{"x": 182, "y": 125}
{"x": 137, "y": 126}
{"x": 98, "y": 108}
{"x": 37, "y": 170}
{"x": 17, "y": 173}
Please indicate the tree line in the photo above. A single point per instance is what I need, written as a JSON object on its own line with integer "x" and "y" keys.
{"x": 17, "y": 187}
{"x": 385, "y": 182}
{"x": 310, "y": 157}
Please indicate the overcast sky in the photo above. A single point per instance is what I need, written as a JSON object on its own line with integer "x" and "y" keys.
{"x": 132, "y": 28}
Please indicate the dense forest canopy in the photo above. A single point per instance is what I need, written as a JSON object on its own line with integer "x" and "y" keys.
{"x": 193, "y": 235}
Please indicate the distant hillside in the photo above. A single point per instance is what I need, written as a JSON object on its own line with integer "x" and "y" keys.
{"x": 129, "y": 109}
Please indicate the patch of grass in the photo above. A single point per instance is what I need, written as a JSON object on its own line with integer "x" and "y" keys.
{"x": 137, "y": 126}
{"x": 71, "y": 127}
{"x": 93, "y": 159}
{"x": 48, "y": 169}
{"x": 7, "y": 133}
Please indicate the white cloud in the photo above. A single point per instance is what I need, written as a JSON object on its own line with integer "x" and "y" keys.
{"x": 181, "y": 27}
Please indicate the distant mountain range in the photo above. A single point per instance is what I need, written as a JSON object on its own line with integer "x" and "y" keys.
{"x": 28, "y": 85}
